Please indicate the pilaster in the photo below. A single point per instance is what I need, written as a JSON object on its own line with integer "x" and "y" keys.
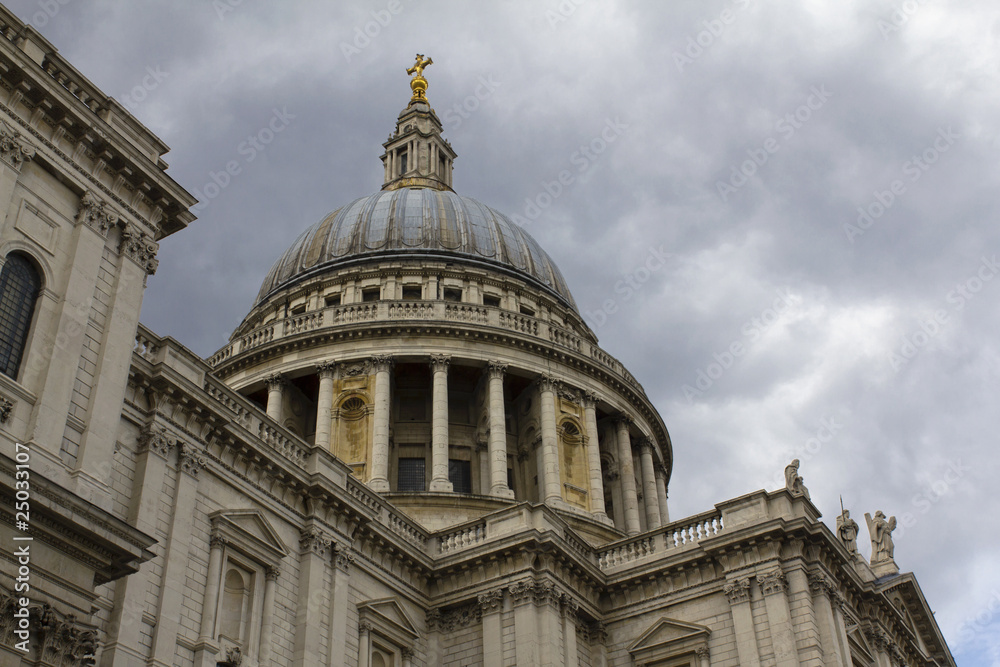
{"x": 773, "y": 586}
{"x": 738, "y": 593}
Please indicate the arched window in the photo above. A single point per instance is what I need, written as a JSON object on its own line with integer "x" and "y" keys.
{"x": 19, "y": 287}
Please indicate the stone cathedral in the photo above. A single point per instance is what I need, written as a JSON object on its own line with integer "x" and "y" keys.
{"x": 412, "y": 452}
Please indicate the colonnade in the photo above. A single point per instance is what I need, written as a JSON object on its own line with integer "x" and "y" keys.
{"x": 646, "y": 499}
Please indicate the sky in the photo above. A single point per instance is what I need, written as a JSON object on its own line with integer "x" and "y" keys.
{"x": 779, "y": 215}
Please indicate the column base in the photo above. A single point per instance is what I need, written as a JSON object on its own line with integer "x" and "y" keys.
{"x": 441, "y": 485}
{"x": 379, "y": 485}
{"x": 502, "y": 492}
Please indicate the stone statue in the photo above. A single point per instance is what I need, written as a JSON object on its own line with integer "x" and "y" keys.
{"x": 418, "y": 67}
{"x": 847, "y": 531}
{"x": 793, "y": 481}
{"x": 880, "y": 532}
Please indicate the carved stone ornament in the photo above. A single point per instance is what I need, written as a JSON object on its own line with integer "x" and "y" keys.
{"x": 772, "y": 582}
{"x": 272, "y": 573}
{"x": 59, "y": 637}
{"x": 440, "y": 362}
{"x": 233, "y": 657}
{"x": 96, "y": 213}
{"x": 13, "y": 148}
{"x": 522, "y": 591}
{"x": 547, "y": 383}
{"x": 793, "y": 480}
{"x": 569, "y": 393}
{"x": 189, "y": 460}
{"x": 364, "y": 627}
{"x": 491, "y": 601}
{"x": 877, "y": 638}
{"x": 343, "y": 559}
{"x": 275, "y": 381}
{"x": 381, "y": 362}
{"x": 497, "y": 369}
{"x": 156, "y": 439}
{"x": 6, "y": 408}
{"x": 738, "y": 591}
{"x": 702, "y": 652}
{"x": 326, "y": 369}
{"x": 140, "y": 248}
{"x": 315, "y": 541}
{"x": 433, "y": 619}
{"x": 590, "y": 399}
{"x": 462, "y": 617}
{"x": 820, "y": 584}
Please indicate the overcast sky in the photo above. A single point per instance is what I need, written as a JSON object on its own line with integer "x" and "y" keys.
{"x": 813, "y": 184}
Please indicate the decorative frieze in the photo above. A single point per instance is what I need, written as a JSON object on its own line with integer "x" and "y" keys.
{"x": 462, "y": 617}
{"x": 772, "y": 582}
{"x": 56, "y": 636}
{"x": 738, "y": 591}
{"x": 14, "y": 149}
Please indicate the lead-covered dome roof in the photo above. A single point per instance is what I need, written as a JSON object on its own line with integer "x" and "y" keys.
{"x": 416, "y": 222}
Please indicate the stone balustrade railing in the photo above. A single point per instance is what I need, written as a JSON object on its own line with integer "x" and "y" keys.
{"x": 676, "y": 535}
{"x": 390, "y": 311}
{"x": 464, "y": 537}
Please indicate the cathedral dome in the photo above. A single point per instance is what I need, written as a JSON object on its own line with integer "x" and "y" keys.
{"x": 415, "y": 223}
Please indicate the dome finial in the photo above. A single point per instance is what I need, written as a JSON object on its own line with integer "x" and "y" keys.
{"x": 418, "y": 84}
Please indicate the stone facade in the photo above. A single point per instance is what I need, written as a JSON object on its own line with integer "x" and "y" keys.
{"x": 415, "y": 457}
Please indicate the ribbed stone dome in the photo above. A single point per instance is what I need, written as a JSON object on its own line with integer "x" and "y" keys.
{"x": 416, "y": 222}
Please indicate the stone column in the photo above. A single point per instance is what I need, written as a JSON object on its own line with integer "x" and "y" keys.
{"x": 773, "y": 586}
{"x": 433, "y": 624}
{"x": 549, "y": 624}
{"x": 594, "y": 455}
{"x": 407, "y": 657}
{"x": 522, "y": 595}
{"x": 314, "y": 552}
{"x": 598, "y": 634}
{"x": 498, "y": 433}
{"x": 267, "y": 621}
{"x": 275, "y": 395}
{"x": 173, "y": 583}
{"x": 364, "y": 643}
{"x": 379, "y": 478}
{"x": 342, "y": 560}
{"x": 626, "y": 469}
{"x": 490, "y": 606}
{"x": 439, "y": 424}
{"x": 552, "y": 491}
{"x": 703, "y": 656}
{"x": 661, "y": 493}
{"x": 324, "y": 403}
{"x": 206, "y": 649}
{"x": 649, "y": 491}
{"x": 822, "y": 588}
{"x": 738, "y": 592}
{"x": 570, "y": 608}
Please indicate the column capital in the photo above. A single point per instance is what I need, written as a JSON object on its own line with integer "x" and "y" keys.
{"x": 326, "y": 369}
{"x": 820, "y": 584}
{"x": 217, "y": 541}
{"x": 547, "y": 383}
{"x": 314, "y": 540}
{"x": 738, "y": 590}
{"x": 14, "y": 148}
{"x": 440, "y": 362}
{"x": 156, "y": 439}
{"x": 407, "y": 653}
{"x": 491, "y": 601}
{"x": 364, "y": 627}
{"x": 343, "y": 559}
{"x": 590, "y": 399}
{"x": 272, "y": 573}
{"x": 702, "y": 652}
{"x": 381, "y": 362}
{"x": 772, "y": 582}
{"x": 497, "y": 370}
{"x": 622, "y": 419}
{"x": 522, "y": 592}
{"x": 189, "y": 460}
{"x": 645, "y": 444}
{"x": 275, "y": 381}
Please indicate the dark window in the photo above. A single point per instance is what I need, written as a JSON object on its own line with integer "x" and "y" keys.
{"x": 402, "y": 163}
{"x": 370, "y": 294}
{"x": 510, "y": 478}
{"x": 527, "y": 311}
{"x": 298, "y": 310}
{"x": 19, "y": 286}
{"x": 411, "y": 474}
{"x": 412, "y": 407}
{"x": 493, "y": 301}
{"x": 452, "y": 294}
{"x": 460, "y": 475}
{"x": 412, "y": 292}
{"x": 333, "y": 300}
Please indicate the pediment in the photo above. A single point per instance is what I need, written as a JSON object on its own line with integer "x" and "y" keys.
{"x": 669, "y": 637}
{"x": 859, "y": 645}
{"x": 389, "y": 618}
{"x": 249, "y": 530}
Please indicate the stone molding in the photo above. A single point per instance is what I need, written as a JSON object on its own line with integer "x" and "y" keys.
{"x": 433, "y": 619}
{"x": 772, "y": 582}
{"x": 738, "y": 591}
{"x": 14, "y": 149}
